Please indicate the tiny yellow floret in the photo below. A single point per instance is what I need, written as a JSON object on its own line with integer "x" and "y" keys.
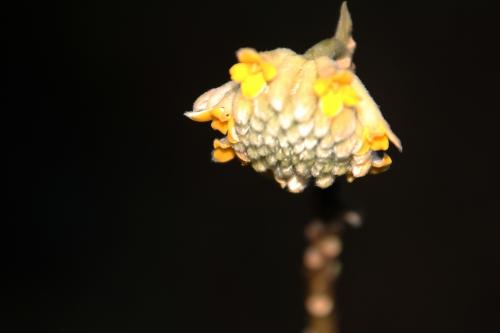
{"x": 252, "y": 72}
{"x": 222, "y": 155}
{"x": 335, "y": 92}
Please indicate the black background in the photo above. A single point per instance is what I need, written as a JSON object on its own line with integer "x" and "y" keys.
{"x": 119, "y": 222}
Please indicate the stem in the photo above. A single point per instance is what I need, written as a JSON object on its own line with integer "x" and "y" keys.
{"x": 322, "y": 265}
{"x": 322, "y": 269}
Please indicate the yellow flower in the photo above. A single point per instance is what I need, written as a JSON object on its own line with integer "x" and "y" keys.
{"x": 222, "y": 155}
{"x": 220, "y": 118}
{"x": 223, "y": 152}
{"x": 222, "y": 121}
{"x": 371, "y": 142}
{"x": 334, "y": 92}
{"x": 252, "y": 72}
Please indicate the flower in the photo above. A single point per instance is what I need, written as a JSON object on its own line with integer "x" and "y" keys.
{"x": 222, "y": 121}
{"x": 252, "y": 72}
{"x": 335, "y": 91}
{"x": 375, "y": 143}
{"x": 219, "y": 117}
{"x": 223, "y": 152}
{"x": 380, "y": 164}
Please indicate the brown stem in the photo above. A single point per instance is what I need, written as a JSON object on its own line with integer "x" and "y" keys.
{"x": 322, "y": 265}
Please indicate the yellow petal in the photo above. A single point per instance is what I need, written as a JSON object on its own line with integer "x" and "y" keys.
{"x": 268, "y": 70}
{"x": 248, "y": 55}
{"x": 221, "y": 114}
{"x": 253, "y": 85}
{"x": 219, "y": 126}
{"x": 221, "y": 155}
{"x": 239, "y": 72}
{"x": 331, "y": 104}
{"x": 321, "y": 86}
{"x": 200, "y": 116}
{"x": 349, "y": 96}
{"x": 380, "y": 143}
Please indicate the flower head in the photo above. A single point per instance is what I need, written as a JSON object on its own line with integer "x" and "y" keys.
{"x": 299, "y": 117}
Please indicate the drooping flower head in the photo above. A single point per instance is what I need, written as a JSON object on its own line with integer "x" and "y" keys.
{"x": 299, "y": 117}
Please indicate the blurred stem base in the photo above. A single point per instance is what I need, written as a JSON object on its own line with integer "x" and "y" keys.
{"x": 321, "y": 261}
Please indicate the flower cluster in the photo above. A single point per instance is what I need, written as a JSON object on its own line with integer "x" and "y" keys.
{"x": 301, "y": 117}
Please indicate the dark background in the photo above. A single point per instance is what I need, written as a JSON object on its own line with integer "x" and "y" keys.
{"x": 118, "y": 221}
